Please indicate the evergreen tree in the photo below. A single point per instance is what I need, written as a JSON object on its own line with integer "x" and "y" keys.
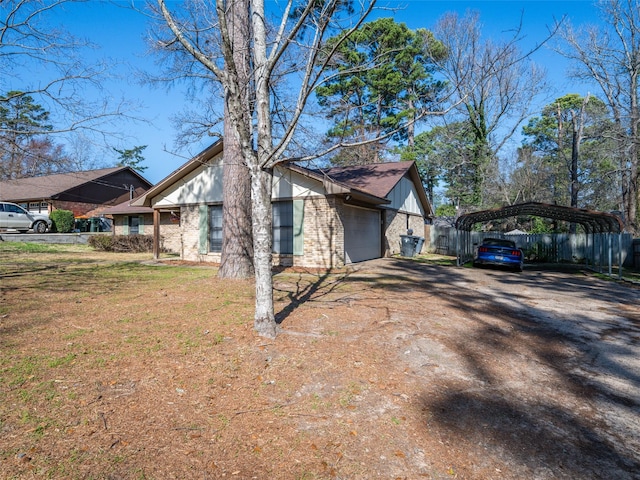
{"x": 24, "y": 150}
{"x": 380, "y": 84}
{"x": 572, "y": 136}
{"x": 132, "y": 157}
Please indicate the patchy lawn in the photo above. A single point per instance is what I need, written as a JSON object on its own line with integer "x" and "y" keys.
{"x": 114, "y": 368}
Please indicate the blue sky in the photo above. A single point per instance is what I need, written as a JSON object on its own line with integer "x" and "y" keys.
{"x": 120, "y": 33}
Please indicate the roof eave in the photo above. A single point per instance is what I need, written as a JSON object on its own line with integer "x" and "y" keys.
{"x": 204, "y": 156}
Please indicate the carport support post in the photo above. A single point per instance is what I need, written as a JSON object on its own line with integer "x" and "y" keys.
{"x": 458, "y": 247}
{"x": 156, "y": 234}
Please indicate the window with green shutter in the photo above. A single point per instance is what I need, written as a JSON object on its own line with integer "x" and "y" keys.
{"x": 203, "y": 228}
{"x": 298, "y": 227}
{"x": 282, "y": 227}
{"x": 215, "y": 228}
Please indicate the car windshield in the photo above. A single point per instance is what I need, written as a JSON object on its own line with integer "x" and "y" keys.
{"x": 498, "y": 242}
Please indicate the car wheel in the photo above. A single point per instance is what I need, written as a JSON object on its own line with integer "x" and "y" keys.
{"x": 40, "y": 227}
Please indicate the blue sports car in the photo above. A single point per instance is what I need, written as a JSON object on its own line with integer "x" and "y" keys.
{"x": 497, "y": 251}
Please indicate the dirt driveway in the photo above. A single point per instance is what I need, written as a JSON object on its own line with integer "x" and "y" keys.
{"x": 531, "y": 375}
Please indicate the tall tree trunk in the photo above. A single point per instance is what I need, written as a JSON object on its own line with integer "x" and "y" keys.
{"x": 411, "y": 128}
{"x": 264, "y": 319}
{"x": 237, "y": 243}
{"x": 262, "y": 178}
{"x": 236, "y": 259}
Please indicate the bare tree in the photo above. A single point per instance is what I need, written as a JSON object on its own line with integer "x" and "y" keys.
{"x": 28, "y": 42}
{"x": 494, "y": 83}
{"x": 302, "y": 26}
{"x": 610, "y": 57}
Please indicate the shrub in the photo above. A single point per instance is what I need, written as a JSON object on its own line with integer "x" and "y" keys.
{"x": 62, "y": 221}
{"x": 101, "y": 242}
{"x": 122, "y": 243}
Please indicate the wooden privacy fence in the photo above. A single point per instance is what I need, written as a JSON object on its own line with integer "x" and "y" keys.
{"x": 592, "y": 250}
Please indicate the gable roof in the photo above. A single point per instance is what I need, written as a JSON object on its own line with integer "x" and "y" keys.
{"x": 336, "y": 187}
{"x": 127, "y": 207}
{"x": 49, "y": 186}
{"x": 202, "y": 157}
{"x": 379, "y": 179}
{"x": 368, "y": 183}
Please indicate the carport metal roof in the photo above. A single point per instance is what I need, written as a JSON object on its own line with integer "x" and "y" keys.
{"x": 593, "y": 222}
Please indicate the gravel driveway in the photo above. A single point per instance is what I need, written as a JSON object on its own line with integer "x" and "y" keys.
{"x": 532, "y": 375}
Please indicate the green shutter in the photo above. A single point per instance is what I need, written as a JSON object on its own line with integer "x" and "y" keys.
{"x": 203, "y": 226}
{"x": 141, "y": 224}
{"x": 125, "y": 225}
{"x": 298, "y": 227}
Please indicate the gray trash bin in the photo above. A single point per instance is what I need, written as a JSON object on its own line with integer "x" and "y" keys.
{"x": 419, "y": 243}
{"x": 407, "y": 245}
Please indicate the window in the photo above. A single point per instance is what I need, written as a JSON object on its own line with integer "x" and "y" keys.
{"x": 134, "y": 225}
{"x": 215, "y": 228}
{"x": 283, "y": 227}
{"x": 13, "y": 209}
{"x": 130, "y": 225}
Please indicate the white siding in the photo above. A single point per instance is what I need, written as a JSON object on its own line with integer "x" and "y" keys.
{"x": 288, "y": 184}
{"x": 404, "y": 198}
{"x": 203, "y": 185}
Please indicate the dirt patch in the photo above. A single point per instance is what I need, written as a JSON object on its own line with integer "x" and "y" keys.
{"x": 390, "y": 369}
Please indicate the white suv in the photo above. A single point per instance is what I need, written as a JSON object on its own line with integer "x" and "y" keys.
{"x": 15, "y": 217}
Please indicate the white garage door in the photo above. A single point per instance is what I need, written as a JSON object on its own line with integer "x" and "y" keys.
{"x": 361, "y": 234}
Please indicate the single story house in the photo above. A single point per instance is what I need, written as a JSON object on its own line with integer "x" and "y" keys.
{"x": 322, "y": 218}
{"x": 85, "y": 193}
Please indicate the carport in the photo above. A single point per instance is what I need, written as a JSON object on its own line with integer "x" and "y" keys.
{"x": 600, "y": 228}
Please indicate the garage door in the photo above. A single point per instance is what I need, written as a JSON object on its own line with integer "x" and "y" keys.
{"x": 361, "y": 234}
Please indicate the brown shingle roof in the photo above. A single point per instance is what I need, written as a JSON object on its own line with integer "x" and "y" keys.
{"x": 377, "y": 179}
{"x": 127, "y": 207}
{"x": 48, "y": 186}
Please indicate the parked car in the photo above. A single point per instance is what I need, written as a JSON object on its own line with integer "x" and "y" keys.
{"x": 15, "y": 217}
{"x": 501, "y": 252}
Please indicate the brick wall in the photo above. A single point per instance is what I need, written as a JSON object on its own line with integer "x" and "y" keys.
{"x": 396, "y": 224}
{"x": 190, "y": 233}
{"x": 169, "y": 230}
{"x": 79, "y": 209}
{"x": 323, "y": 234}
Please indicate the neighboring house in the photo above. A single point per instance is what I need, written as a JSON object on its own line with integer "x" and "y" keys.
{"x": 84, "y": 193}
{"x": 321, "y": 218}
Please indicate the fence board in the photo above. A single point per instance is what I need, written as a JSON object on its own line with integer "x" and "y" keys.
{"x": 546, "y": 248}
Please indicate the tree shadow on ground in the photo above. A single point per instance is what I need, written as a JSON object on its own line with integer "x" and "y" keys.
{"x": 542, "y": 436}
{"x": 306, "y": 288}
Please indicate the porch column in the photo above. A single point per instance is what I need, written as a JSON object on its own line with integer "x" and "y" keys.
{"x": 156, "y": 234}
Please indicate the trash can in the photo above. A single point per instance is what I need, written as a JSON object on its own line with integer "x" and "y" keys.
{"x": 419, "y": 243}
{"x": 407, "y": 245}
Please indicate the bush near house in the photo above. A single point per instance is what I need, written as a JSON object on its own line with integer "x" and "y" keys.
{"x": 122, "y": 243}
{"x": 62, "y": 221}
